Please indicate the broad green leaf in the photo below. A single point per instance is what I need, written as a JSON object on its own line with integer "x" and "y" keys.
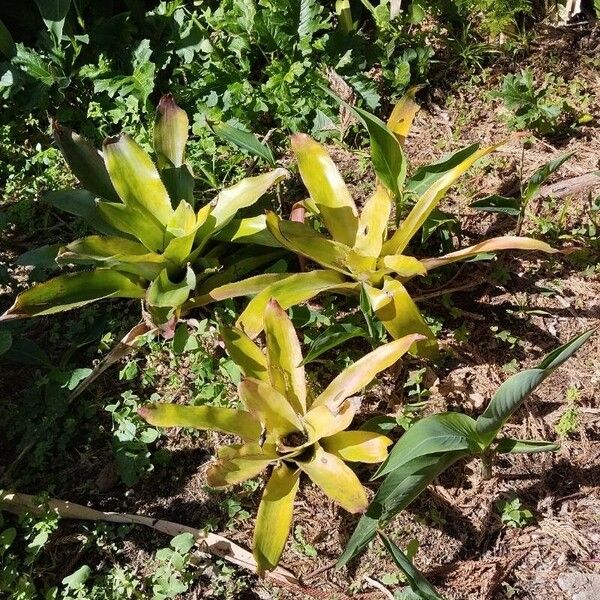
{"x": 274, "y": 517}
{"x": 208, "y": 418}
{"x": 290, "y": 291}
{"x": 336, "y": 479}
{"x": 75, "y": 289}
{"x": 363, "y": 371}
{"x": 244, "y": 140}
{"x": 180, "y": 184}
{"x": 417, "y": 583}
{"x": 403, "y": 115}
{"x": 397, "y": 491}
{"x": 435, "y": 434}
{"x": 332, "y": 337}
{"x": 85, "y": 161}
{"x": 513, "y": 446}
{"x": 373, "y": 222}
{"x": 165, "y": 293}
{"x": 430, "y": 184}
{"x": 136, "y": 179}
{"x": 357, "y": 446}
{"x": 387, "y": 156}
{"x": 82, "y": 204}
{"x": 284, "y": 357}
{"x": 326, "y": 188}
{"x": 245, "y": 353}
{"x": 252, "y": 230}
{"x": 400, "y": 316}
{"x": 241, "y": 195}
{"x": 44, "y": 256}
{"x": 170, "y": 132}
{"x": 303, "y": 239}
{"x": 54, "y": 13}
{"x": 499, "y": 204}
{"x": 505, "y": 242}
{"x": 541, "y": 175}
{"x": 130, "y": 220}
{"x": 514, "y": 391}
{"x": 114, "y": 252}
{"x": 269, "y": 406}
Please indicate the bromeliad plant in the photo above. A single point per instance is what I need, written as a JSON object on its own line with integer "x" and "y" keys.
{"x": 284, "y": 428}
{"x": 361, "y": 254}
{"x": 153, "y": 244}
{"x": 436, "y": 442}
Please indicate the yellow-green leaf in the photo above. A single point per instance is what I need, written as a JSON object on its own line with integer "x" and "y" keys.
{"x": 405, "y": 266}
{"x": 136, "y": 179}
{"x": 171, "y": 125}
{"x": 402, "y": 116}
{"x": 336, "y": 479}
{"x": 274, "y": 518}
{"x": 303, "y": 239}
{"x": 321, "y": 421}
{"x": 75, "y": 289}
{"x": 122, "y": 254}
{"x": 251, "y": 230}
{"x": 357, "y": 446}
{"x": 429, "y": 199}
{"x": 400, "y": 316}
{"x": 326, "y": 188}
{"x": 373, "y": 222}
{"x": 245, "y": 353}
{"x": 269, "y": 406}
{"x": 285, "y": 357}
{"x": 507, "y": 242}
{"x": 289, "y": 291}
{"x": 363, "y": 371}
{"x": 240, "y": 465}
{"x": 207, "y": 418}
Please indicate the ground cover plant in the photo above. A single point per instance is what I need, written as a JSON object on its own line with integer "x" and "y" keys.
{"x": 300, "y": 429}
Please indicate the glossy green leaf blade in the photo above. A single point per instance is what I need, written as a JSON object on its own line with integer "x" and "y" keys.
{"x": 54, "y": 13}
{"x": 514, "y": 446}
{"x": 387, "y": 155}
{"x": 498, "y": 204}
{"x": 274, "y": 517}
{"x": 211, "y": 418}
{"x": 333, "y": 336}
{"x": 163, "y": 292}
{"x": 431, "y": 183}
{"x": 85, "y": 161}
{"x": 7, "y": 44}
{"x": 290, "y": 291}
{"x": 245, "y": 141}
{"x": 75, "y": 289}
{"x": 245, "y": 353}
{"x": 541, "y": 175}
{"x": 418, "y": 584}
{"x": 435, "y": 434}
{"x": 122, "y": 254}
{"x": 44, "y": 256}
{"x": 136, "y": 179}
{"x": 514, "y": 391}
{"x": 397, "y": 491}
{"x": 81, "y": 203}
{"x": 180, "y": 183}
{"x": 326, "y": 188}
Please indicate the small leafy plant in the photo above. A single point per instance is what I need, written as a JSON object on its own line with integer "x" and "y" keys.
{"x": 284, "y": 428}
{"x": 435, "y": 442}
{"x": 513, "y": 513}
{"x": 153, "y": 244}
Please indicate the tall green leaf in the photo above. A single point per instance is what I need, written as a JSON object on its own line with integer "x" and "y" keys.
{"x": 244, "y": 140}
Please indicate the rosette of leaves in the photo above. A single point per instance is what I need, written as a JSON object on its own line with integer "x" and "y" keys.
{"x": 282, "y": 428}
{"x": 361, "y": 251}
{"x": 152, "y": 243}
